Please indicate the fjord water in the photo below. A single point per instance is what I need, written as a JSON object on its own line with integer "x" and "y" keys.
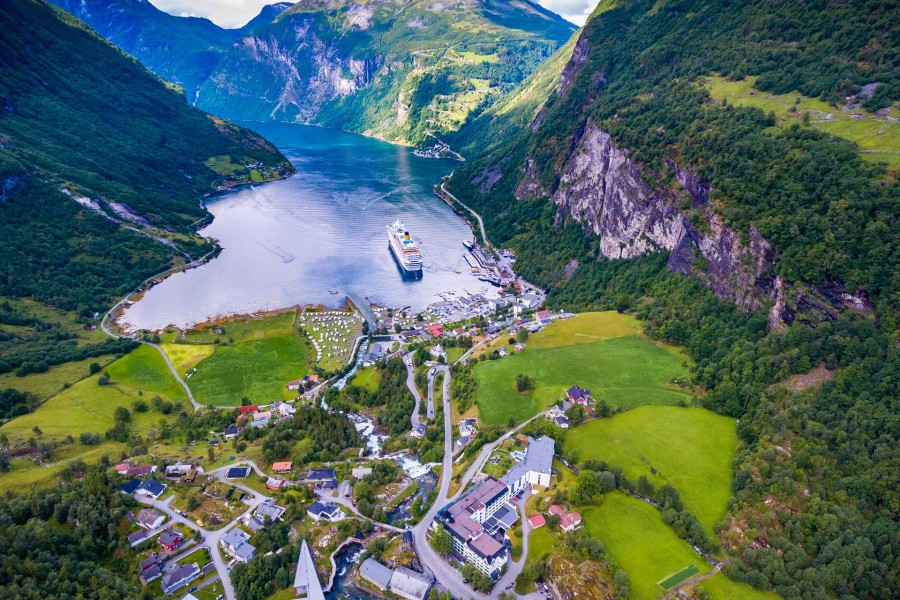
{"x": 296, "y": 240}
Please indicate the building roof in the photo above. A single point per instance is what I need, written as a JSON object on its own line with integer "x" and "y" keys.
{"x": 409, "y": 583}
{"x": 540, "y": 454}
{"x": 178, "y": 575}
{"x": 151, "y": 572}
{"x": 306, "y": 581}
{"x": 269, "y": 509}
{"x": 577, "y": 393}
{"x": 137, "y": 537}
{"x": 169, "y": 538}
{"x": 505, "y": 517}
{"x": 237, "y": 472}
{"x": 320, "y": 474}
{"x": 282, "y": 466}
{"x": 323, "y": 509}
{"x": 486, "y": 546}
{"x": 537, "y": 520}
{"x": 148, "y": 562}
{"x": 147, "y": 517}
{"x": 130, "y": 487}
{"x": 243, "y": 410}
{"x": 376, "y": 572}
{"x": 154, "y": 488}
{"x": 232, "y": 430}
{"x": 234, "y": 538}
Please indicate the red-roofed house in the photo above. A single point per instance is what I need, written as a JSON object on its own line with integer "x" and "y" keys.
{"x": 243, "y": 410}
{"x": 568, "y": 521}
{"x": 543, "y": 314}
{"x": 436, "y": 330}
{"x": 282, "y": 467}
{"x": 537, "y": 520}
{"x": 293, "y": 385}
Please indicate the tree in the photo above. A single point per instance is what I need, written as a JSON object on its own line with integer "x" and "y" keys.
{"x": 442, "y": 542}
{"x": 606, "y": 481}
{"x": 211, "y": 454}
{"x": 139, "y": 405}
{"x": 522, "y": 335}
{"x": 94, "y": 368}
{"x": 121, "y": 415}
{"x": 103, "y": 379}
{"x": 575, "y": 414}
{"x": 645, "y": 488}
{"x": 524, "y": 383}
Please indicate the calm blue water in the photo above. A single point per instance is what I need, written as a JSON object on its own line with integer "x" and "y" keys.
{"x": 292, "y": 241}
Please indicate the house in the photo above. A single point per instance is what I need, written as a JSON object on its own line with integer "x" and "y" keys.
{"x": 252, "y": 523}
{"x": 293, "y": 385}
{"x": 530, "y": 300}
{"x": 503, "y": 351}
{"x": 464, "y": 521}
{"x": 542, "y": 315}
{"x": 317, "y": 475}
{"x": 190, "y": 476}
{"x": 437, "y": 351}
{"x": 151, "y": 489}
{"x": 269, "y": 509}
{"x": 555, "y": 411}
{"x": 537, "y": 520}
{"x": 519, "y": 347}
{"x": 283, "y": 409}
{"x": 376, "y": 573}
{"x": 231, "y": 431}
{"x": 137, "y": 538}
{"x": 467, "y": 427}
{"x": 314, "y": 379}
{"x": 234, "y": 543}
{"x": 418, "y": 431}
{"x": 250, "y": 408}
{"x": 360, "y": 472}
{"x": 325, "y": 511}
{"x": 130, "y": 487}
{"x": 536, "y": 469}
{"x": 150, "y": 568}
{"x": 180, "y": 577}
{"x": 331, "y": 484}
{"x": 150, "y": 518}
{"x": 261, "y": 419}
{"x": 306, "y": 581}
{"x": 177, "y": 470}
{"x": 237, "y": 473}
{"x": 580, "y": 395}
{"x": 436, "y": 331}
{"x": 562, "y": 421}
{"x": 170, "y": 540}
{"x": 568, "y": 521}
{"x": 122, "y": 468}
{"x": 275, "y": 483}
{"x": 139, "y": 471}
{"x": 282, "y": 467}
{"x": 492, "y": 330}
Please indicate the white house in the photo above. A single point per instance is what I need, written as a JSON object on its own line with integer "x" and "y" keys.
{"x": 535, "y": 469}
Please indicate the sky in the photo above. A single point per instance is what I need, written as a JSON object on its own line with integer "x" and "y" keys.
{"x": 235, "y": 13}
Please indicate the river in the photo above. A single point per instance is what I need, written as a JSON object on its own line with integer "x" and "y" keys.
{"x": 297, "y": 240}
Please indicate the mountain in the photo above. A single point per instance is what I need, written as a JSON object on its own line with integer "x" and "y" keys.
{"x": 395, "y": 69}
{"x": 102, "y": 164}
{"x": 266, "y": 15}
{"x": 728, "y": 172}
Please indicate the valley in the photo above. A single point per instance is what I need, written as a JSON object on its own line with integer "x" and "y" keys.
{"x": 651, "y": 352}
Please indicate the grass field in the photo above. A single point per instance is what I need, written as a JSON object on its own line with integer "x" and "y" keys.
{"x": 690, "y": 448}
{"x": 676, "y": 578}
{"x": 254, "y": 358}
{"x": 48, "y": 384}
{"x": 584, "y": 328}
{"x": 366, "y": 378}
{"x": 87, "y": 406}
{"x": 626, "y": 371}
{"x": 25, "y": 474}
{"x": 639, "y": 541}
{"x": 878, "y": 138}
{"x": 719, "y": 587}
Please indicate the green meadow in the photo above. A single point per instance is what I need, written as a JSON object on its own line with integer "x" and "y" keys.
{"x": 719, "y": 587}
{"x": 625, "y": 372}
{"x": 689, "y": 448}
{"x": 88, "y": 406}
{"x": 636, "y": 537}
{"x": 877, "y": 138}
{"x": 251, "y": 357}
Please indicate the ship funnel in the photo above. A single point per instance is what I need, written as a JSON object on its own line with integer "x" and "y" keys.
{"x": 406, "y": 235}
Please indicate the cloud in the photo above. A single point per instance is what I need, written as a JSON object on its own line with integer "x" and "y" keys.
{"x": 576, "y": 11}
{"x": 235, "y": 13}
{"x": 225, "y": 13}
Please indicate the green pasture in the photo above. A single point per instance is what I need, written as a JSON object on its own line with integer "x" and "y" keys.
{"x": 689, "y": 448}
{"x": 625, "y": 372}
{"x": 636, "y": 537}
{"x": 584, "y": 328}
{"x": 49, "y": 383}
{"x": 719, "y": 587}
{"x": 877, "y": 138}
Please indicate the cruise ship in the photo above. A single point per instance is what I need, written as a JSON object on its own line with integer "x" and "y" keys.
{"x": 405, "y": 250}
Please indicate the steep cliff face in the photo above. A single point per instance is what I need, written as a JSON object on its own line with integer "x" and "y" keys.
{"x": 604, "y": 190}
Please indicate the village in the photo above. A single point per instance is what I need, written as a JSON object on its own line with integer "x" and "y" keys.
{"x": 198, "y": 524}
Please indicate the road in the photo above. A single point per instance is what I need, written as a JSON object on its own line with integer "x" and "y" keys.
{"x": 211, "y": 538}
{"x": 411, "y": 384}
{"x": 432, "y": 373}
{"x": 484, "y": 236}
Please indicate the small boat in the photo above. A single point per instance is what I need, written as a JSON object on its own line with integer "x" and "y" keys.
{"x": 333, "y": 292}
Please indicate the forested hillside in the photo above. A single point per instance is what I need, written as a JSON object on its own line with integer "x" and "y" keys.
{"x": 789, "y": 235}
{"x": 102, "y": 170}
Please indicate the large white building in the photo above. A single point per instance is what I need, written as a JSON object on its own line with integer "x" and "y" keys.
{"x": 464, "y": 521}
{"x": 536, "y": 469}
